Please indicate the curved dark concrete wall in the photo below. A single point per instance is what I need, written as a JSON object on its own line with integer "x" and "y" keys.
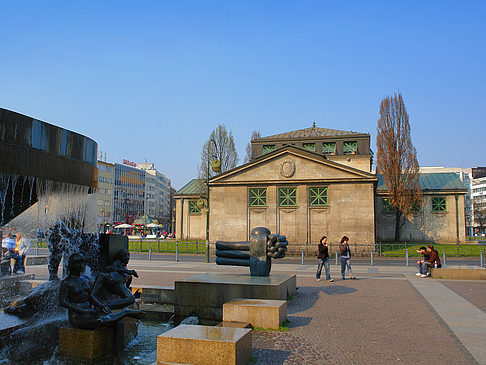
{"x": 33, "y": 152}
{"x": 30, "y": 147}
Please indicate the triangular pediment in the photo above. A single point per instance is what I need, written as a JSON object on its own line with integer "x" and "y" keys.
{"x": 290, "y": 164}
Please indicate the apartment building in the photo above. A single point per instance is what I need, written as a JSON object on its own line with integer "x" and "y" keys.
{"x": 104, "y": 194}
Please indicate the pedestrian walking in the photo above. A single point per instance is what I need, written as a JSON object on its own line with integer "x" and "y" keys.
{"x": 345, "y": 257}
{"x": 323, "y": 260}
{"x": 23, "y": 245}
{"x": 10, "y": 252}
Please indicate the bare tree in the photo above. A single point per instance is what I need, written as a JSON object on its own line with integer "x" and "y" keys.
{"x": 396, "y": 159}
{"x": 254, "y": 135}
{"x": 480, "y": 218}
{"x": 221, "y": 146}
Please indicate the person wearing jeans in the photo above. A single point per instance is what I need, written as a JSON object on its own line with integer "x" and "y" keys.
{"x": 323, "y": 260}
{"x": 345, "y": 257}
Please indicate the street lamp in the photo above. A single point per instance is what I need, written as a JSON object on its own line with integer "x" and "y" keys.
{"x": 216, "y": 167}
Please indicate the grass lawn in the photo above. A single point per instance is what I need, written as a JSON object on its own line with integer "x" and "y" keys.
{"x": 195, "y": 247}
{"x": 398, "y": 250}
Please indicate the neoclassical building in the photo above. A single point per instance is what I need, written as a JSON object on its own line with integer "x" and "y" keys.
{"x": 313, "y": 182}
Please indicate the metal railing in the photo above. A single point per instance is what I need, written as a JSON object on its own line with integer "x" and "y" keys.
{"x": 405, "y": 252}
{"x": 167, "y": 246}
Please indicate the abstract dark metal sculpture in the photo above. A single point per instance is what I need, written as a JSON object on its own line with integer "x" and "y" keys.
{"x": 85, "y": 310}
{"x": 257, "y": 253}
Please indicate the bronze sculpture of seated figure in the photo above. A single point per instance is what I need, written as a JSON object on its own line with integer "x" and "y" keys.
{"x": 112, "y": 286}
{"x": 85, "y": 310}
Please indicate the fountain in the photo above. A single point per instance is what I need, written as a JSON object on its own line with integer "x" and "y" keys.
{"x": 48, "y": 176}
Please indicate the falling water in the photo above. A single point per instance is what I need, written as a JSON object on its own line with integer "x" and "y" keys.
{"x": 40, "y": 203}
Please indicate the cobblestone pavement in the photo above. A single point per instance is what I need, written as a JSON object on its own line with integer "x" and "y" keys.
{"x": 379, "y": 318}
{"x": 358, "y": 322}
{"x": 474, "y": 291}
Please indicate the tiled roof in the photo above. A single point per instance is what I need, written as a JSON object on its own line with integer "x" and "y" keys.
{"x": 310, "y": 132}
{"x": 434, "y": 181}
{"x": 193, "y": 187}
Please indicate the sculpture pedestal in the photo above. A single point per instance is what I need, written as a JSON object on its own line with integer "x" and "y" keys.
{"x": 204, "y": 295}
{"x": 93, "y": 346}
{"x": 189, "y": 344}
{"x": 89, "y": 345}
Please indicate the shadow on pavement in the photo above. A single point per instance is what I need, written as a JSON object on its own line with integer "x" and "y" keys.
{"x": 268, "y": 356}
{"x": 338, "y": 290}
{"x": 295, "y": 321}
{"x": 306, "y": 297}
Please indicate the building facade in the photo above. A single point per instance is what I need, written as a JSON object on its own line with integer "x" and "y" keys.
{"x": 440, "y": 217}
{"x": 128, "y": 194}
{"x": 309, "y": 183}
{"x": 344, "y": 147}
{"x": 157, "y": 195}
{"x": 479, "y": 206}
{"x": 473, "y": 180}
{"x": 104, "y": 193}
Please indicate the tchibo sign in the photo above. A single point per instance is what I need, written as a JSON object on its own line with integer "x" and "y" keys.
{"x": 129, "y": 163}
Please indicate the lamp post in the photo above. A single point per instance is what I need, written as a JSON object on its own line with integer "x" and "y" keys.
{"x": 216, "y": 167}
{"x": 102, "y": 211}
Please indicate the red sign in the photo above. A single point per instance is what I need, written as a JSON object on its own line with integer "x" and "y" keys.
{"x": 129, "y": 163}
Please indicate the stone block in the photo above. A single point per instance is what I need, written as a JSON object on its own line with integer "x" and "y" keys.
{"x": 234, "y": 324}
{"x": 157, "y": 312}
{"x": 36, "y": 260}
{"x": 155, "y": 294}
{"x": 10, "y": 287}
{"x": 458, "y": 274}
{"x": 9, "y": 323}
{"x": 204, "y": 345}
{"x": 258, "y": 312}
{"x": 86, "y": 344}
{"x": 204, "y": 295}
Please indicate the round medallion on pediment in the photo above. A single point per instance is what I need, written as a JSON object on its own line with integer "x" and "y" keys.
{"x": 287, "y": 169}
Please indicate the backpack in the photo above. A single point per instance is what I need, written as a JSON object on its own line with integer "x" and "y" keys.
{"x": 437, "y": 261}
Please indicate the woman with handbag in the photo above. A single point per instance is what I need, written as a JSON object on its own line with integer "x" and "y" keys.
{"x": 323, "y": 260}
{"x": 345, "y": 257}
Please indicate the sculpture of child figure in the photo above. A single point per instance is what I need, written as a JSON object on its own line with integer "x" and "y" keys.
{"x": 113, "y": 285}
{"x": 85, "y": 310}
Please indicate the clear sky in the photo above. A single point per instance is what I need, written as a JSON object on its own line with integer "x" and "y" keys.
{"x": 149, "y": 80}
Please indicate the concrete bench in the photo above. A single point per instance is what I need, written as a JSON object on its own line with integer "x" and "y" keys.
{"x": 204, "y": 345}
{"x": 262, "y": 313}
{"x": 458, "y": 274}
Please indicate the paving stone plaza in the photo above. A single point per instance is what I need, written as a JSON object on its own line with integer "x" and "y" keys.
{"x": 388, "y": 315}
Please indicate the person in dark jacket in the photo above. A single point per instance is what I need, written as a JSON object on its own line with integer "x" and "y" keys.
{"x": 323, "y": 260}
{"x": 430, "y": 262}
{"x": 422, "y": 250}
{"x": 345, "y": 257}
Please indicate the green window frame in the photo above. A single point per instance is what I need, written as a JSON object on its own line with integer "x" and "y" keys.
{"x": 268, "y": 148}
{"x": 193, "y": 208}
{"x": 287, "y": 197}
{"x": 350, "y": 147}
{"x": 386, "y": 206}
{"x": 318, "y": 196}
{"x": 258, "y": 197}
{"x": 329, "y": 148}
{"x": 309, "y": 146}
{"x": 439, "y": 204}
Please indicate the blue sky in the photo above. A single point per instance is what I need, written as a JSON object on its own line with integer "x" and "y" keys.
{"x": 149, "y": 80}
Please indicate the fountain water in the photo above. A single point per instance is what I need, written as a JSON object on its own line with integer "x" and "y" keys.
{"x": 65, "y": 216}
